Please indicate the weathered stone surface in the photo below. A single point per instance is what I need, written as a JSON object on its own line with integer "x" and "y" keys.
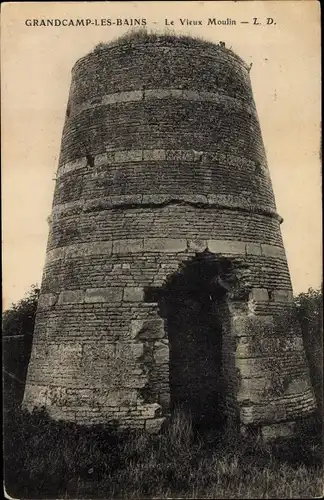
{"x": 161, "y": 353}
{"x": 197, "y": 245}
{"x": 126, "y": 199}
{"x": 72, "y": 165}
{"x": 133, "y": 294}
{"x": 260, "y": 345}
{"x": 277, "y": 431}
{"x": 282, "y": 295}
{"x": 252, "y": 390}
{"x": 153, "y": 426}
{"x": 148, "y": 329}
{"x": 253, "y": 248}
{"x": 153, "y": 154}
{"x": 259, "y": 294}
{"x": 113, "y": 294}
{"x": 128, "y": 156}
{"x": 249, "y": 325}
{"x": 71, "y": 297}
{"x": 46, "y": 300}
{"x": 121, "y": 247}
{"x": 79, "y": 250}
{"x": 100, "y": 160}
{"x": 164, "y": 245}
{"x": 273, "y": 251}
{"x": 223, "y": 246}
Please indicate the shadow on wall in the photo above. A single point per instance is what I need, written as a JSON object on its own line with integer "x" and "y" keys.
{"x": 193, "y": 304}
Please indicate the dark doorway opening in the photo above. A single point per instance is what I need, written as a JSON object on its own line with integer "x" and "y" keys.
{"x": 194, "y": 307}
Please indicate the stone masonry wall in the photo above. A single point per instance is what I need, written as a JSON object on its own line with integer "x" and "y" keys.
{"x": 161, "y": 159}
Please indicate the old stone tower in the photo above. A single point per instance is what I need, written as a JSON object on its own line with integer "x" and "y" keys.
{"x": 166, "y": 281}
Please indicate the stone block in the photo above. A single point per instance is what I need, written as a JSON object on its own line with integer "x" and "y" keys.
{"x": 164, "y": 245}
{"x": 226, "y": 246}
{"x": 258, "y": 346}
{"x": 191, "y": 95}
{"x": 278, "y": 431}
{"x": 148, "y": 329}
{"x": 188, "y": 155}
{"x": 72, "y": 165}
{"x": 77, "y": 250}
{"x": 111, "y": 294}
{"x": 161, "y": 353}
{"x": 127, "y": 350}
{"x": 176, "y": 93}
{"x": 133, "y": 294}
{"x": 253, "y": 249}
{"x": 47, "y": 300}
{"x": 259, "y": 295}
{"x": 122, "y": 247}
{"x": 207, "y": 96}
{"x": 153, "y": 154}
{"x": 155, "y": 198}
{"x": 249, "y": 325}
{"x": 54, "y": 254}
{"x": 273, "y": 251}
{"x": 193, "y": 198}
{"x": 254, "y": 414}
{"x": 135, "y": 95}
{"x": 126, "y": 199}
{"x": 135, "y": 155}
{"x": 110, "y": 156}
{"x": 150, "y": 410}
{"x": 157, "y": 93}
{"x": 126, "y": 156}
{"x": 251, "y": 390}
{"x": 299, "y": 385}
{"x": 153, "y": 426}
{"x": 110, "y": 99}
{"x": 197, "y": 245}
{"x": 173, "y": 155}
{"x": 71, "y": 297}
{"x": 98, "y": 248}
{"x": 35, "y": 396}
{"x": 282, "y": 295}
{"x": 100, "y": 160}
{"x": 250, "y": 367}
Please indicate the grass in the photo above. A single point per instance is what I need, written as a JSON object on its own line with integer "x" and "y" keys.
{"x": 47, "y": 459}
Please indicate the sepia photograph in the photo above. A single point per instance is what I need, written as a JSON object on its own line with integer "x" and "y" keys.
{"x": 162, "y": 308}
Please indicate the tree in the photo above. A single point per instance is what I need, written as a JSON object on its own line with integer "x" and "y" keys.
{"x": 19, "y": 319}
{"x": 309, "y": 307}
{"x": 17, "y": 328}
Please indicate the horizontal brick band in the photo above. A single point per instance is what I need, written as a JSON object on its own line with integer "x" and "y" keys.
{"x": 127, "y": 294}
{"x": 163, "y": 93}
{"x": 152, "y": 155}
{"x": 263, "y": 295}
{"x": 230, "y": 202}
{"x": 163, "y": 245}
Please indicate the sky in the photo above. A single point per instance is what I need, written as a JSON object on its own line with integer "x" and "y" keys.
{"x": 36, "y": 75}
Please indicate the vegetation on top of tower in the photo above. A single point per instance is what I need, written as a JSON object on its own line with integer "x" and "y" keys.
{"x": 144, "y": 36}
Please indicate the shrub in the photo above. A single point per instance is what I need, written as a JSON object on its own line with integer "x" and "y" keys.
{"x": 309, "y": 307}
{"x": 17, "y": 327}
